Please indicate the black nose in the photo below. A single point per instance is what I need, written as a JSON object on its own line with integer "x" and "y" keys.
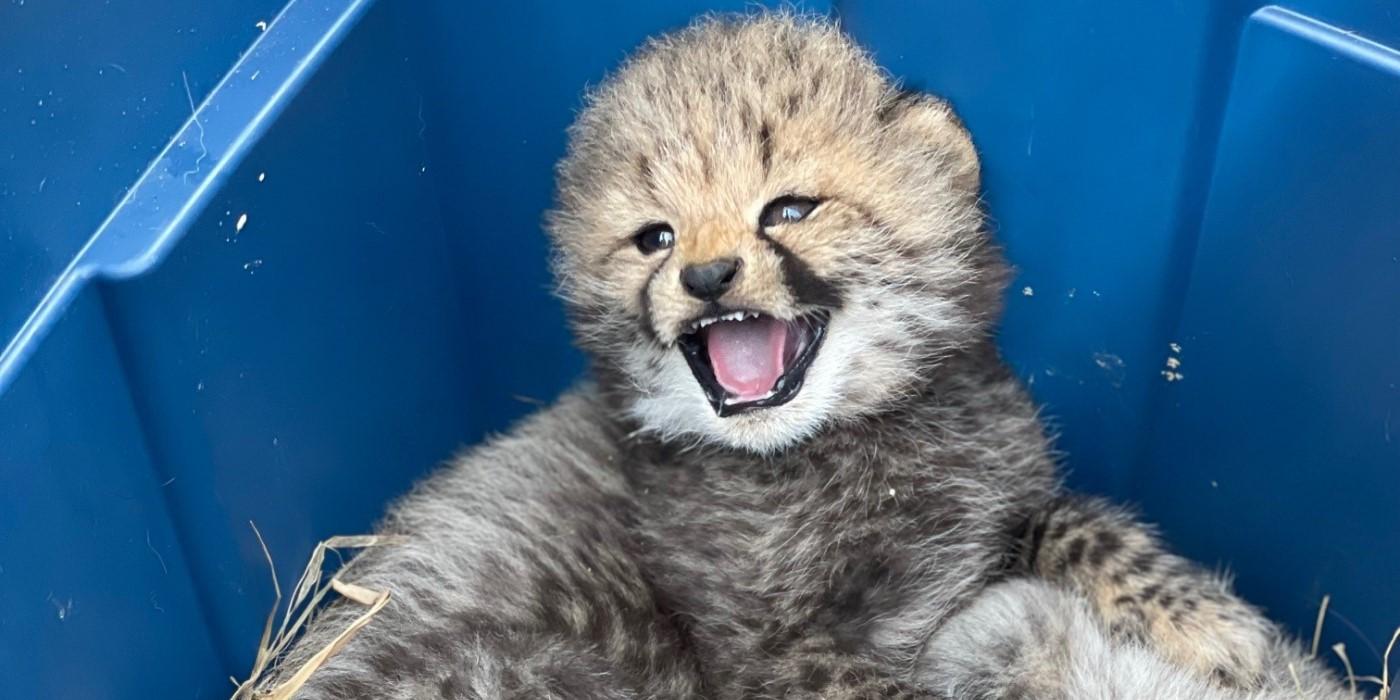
{"x": 709, "y": 281}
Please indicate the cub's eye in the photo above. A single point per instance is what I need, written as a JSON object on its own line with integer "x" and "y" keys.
{"x": 654, "y": 237}
{"x": 787, "y": 210}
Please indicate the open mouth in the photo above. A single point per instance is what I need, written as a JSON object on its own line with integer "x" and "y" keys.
{"x": 745, "y": 360}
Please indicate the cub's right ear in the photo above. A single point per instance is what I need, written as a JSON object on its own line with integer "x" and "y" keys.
{"x": 929, "y": 125}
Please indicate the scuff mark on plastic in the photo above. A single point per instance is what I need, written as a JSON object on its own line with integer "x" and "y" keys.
{"x": 159, "y": 558}
{"x": 64, "y": 609}
{"x": 1113, "y": 366}
{"x": 194, "y": 115}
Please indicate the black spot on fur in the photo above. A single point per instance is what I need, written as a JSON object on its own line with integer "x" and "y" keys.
{"x": 794, "y": 58}
{"x": 1143, "y": 562}
{"x": 1123, "y": 630}
{"x": 1075, "y": 553}
{"x": 648, "y": 322}
{"x": 794, "y": 101}
{"x": 897, "y": 105}
{"x": 765, "y": 147}
{"x": 644, "y": 170}
{"x": 1031, "y": 532}
{"x": 1106, "y": 544}
{"x": 1150, "y": 592}
{"x": 1225, "y": 678}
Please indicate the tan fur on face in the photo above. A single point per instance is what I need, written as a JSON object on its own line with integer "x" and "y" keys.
{"x": 703, "y": 128}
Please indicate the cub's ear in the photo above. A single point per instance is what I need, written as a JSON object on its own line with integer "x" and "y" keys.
{"x": 922, "y": 125}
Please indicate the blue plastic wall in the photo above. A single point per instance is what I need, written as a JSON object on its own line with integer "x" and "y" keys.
{"x": 275, "y": 275}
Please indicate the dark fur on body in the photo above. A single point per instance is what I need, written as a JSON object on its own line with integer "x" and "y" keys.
{"x": 829, "y": 566}
{"x": 883, "y": 534}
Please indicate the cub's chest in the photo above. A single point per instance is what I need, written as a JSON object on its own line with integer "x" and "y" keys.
{"x": 810, "y": 538}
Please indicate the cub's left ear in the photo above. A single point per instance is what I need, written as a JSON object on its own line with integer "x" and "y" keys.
{"x": 929, "y": 125}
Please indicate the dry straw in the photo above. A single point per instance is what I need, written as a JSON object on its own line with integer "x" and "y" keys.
{"x": 1382, "y": 683}
{"x": 306, "y": 600}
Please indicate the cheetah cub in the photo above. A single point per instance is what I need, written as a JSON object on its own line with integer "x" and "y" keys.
{"x": 800, "y": 468}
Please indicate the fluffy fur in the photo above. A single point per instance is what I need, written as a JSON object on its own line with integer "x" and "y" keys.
{"x": 1030, "y": 639}
{"x": 896, "y": 530}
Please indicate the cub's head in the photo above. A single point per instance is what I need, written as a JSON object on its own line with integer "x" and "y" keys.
{"x": 759, "y": 234}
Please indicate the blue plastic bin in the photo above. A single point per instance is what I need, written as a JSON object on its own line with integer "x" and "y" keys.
{"x": 271, "y": 263}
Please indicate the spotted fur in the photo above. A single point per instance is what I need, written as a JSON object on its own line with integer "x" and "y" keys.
{"x": 896, "y": 530}
{"x": 1029, "y": 638}
{"x": 1143, "y": 594}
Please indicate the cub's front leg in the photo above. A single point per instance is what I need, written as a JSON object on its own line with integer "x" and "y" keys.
{"x": 517, "y": 580}
{"x": 1141, "y": 592}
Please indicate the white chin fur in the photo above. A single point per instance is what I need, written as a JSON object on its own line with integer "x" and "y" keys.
{"x": 674, "y": 408}
{"x": 671, "y": 405}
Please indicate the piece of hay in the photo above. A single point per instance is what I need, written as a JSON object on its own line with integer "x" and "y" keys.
{"x": 1317, "y": 627}
{"x": 1341, "y": 651}
{"x": 1297, "y": 684}
{"x": 1383, "y": 682}
{"x": 306, "y": 600}
{"x": 1385, "y": 666}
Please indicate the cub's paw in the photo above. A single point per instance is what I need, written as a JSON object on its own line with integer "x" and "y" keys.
{"x": 1144, "y": 594}
{"x": 1195, "y": 622}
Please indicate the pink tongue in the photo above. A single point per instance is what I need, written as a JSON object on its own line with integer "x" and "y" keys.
{"x": 747, "y": 356}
